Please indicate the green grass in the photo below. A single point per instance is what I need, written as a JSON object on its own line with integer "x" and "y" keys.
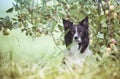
{"x": 51, "y": 68}
{"x": 24, "y": 58}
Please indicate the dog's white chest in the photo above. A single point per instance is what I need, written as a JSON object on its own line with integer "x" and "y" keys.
{"x": 74, "y": 57}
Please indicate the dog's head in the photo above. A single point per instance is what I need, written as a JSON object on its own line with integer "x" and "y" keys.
{"x": 77, "y": 33}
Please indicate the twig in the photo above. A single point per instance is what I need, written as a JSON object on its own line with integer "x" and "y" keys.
{"x": 109, "y": 23}
{"x": 99, "y": 12}
{"x": 103, "y": 7}
{"x": 32, "y": 8}
{"x": 17, "y": 40}
{"x": 56, "y": 43}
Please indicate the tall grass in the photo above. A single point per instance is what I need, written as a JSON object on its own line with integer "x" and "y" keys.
{"x": 24, "y": 58}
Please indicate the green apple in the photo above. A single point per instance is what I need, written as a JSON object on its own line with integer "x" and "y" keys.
{"x": 6, "y": 31}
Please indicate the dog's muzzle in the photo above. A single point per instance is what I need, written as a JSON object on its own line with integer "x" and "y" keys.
{"x": 77, "y": 39}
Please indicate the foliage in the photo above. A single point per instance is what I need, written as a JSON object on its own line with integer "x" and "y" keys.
{"x": 45, "y": 17}
{"x": 37, "y": 17}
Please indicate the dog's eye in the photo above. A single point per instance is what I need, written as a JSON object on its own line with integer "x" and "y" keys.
{"x": 80, "y": 32}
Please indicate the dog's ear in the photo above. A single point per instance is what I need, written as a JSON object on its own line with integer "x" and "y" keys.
{"x": 67, "y": 24}
{"x": 84, "y": 22}
{"x": 68, "y": 36}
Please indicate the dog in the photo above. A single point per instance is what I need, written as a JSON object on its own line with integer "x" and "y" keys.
{"x": 77, "y": 42}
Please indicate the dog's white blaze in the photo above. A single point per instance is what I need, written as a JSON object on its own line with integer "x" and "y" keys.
{"x": 76, "y": 35}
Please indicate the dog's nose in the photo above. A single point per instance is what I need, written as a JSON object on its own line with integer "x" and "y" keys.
{"x": 75, "y": 37}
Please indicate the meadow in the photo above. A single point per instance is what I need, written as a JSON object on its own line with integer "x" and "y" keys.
{"x": 32, "y": 39}
{"x": 22, "y": 57}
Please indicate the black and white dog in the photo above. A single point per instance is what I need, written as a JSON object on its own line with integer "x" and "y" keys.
{"x": 77, "y": 42}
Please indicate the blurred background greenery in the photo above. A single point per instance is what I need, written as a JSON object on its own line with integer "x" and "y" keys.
{"x": 32, "y": 45}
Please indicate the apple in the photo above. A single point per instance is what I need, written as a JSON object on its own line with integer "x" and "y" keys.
{"x": 108, "y": 49}
{"x": 6, "y": 31}
{"x": 113, "y": 47}
{"x": 111, "y": 8}
{"x": 68, "y": 6}
{"x": 107, "y": 12}
{"x": 91, "y": 42}
{"x": 114, "y": 15}
{"x": 113, "y": 41}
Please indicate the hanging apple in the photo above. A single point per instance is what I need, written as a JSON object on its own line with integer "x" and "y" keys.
{"x": 114, "y": 15}
{"x": 6, "y": 31}
{"x": 107, "y": 12}
{"x": 111, "y": 8}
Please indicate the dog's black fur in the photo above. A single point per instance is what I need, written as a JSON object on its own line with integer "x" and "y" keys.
{"x": 82, "y": 27}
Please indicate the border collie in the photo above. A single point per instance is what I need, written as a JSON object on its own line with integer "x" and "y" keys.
{"x": 77, "y": 42}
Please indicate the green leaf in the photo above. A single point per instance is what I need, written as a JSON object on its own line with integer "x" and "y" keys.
{"x": 102, "y": 49}
{"x": 60, "y": 28}
{"x": 100, "y": 35}
{"x": 0, "y": 28}
{"x": 10, "y": 10}
{"x": 101, "y": 19}
{"x": 1, "y": 24}
{"x": 1, "y": 18}
{"x": 16, "y": 25}
{"x": 17, "y": 8}
{"x": 14, "y": 19}
{"x": 7, "y": 18}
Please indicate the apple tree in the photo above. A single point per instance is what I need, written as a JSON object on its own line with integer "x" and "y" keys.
{"x": 37, "y": 17}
